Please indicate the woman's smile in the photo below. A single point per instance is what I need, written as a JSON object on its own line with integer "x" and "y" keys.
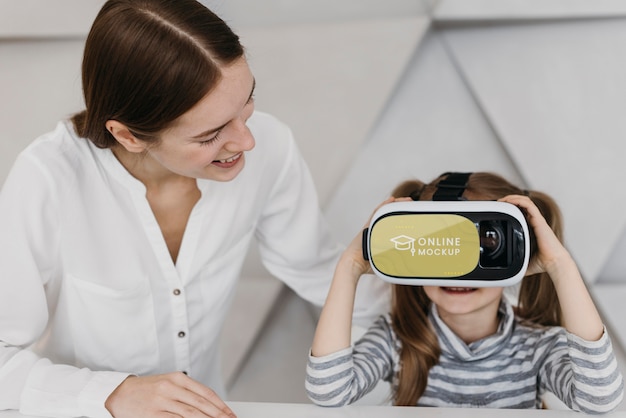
{"x": 228, "y": 162}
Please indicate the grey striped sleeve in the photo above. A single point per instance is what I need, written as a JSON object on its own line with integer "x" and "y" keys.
{"x": 584, "y": 374}
{"x": 343, "y": 377}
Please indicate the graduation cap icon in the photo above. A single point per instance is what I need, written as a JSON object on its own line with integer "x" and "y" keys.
{"x": 404, "y": 243}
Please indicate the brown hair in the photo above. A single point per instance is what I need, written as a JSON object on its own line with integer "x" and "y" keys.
{"x": 537, "y": 303}
{"x": 146, "y": 62}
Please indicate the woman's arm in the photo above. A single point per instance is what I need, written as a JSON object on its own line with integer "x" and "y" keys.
{"x": 296, "y": 242}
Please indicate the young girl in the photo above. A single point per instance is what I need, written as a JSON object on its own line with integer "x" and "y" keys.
{"x": 470, "y": 347}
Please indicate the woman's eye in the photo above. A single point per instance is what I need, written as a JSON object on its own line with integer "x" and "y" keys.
{"x": 214, "y": 138}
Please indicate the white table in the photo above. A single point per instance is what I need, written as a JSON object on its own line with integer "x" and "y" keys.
{"x": 285, "y": 410}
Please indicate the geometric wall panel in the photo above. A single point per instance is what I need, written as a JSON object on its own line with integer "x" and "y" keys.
{"x": 39, "y": 85}
{"x": 47, "y": 19}
{"x": 329, "y": 82}
{"x": 515, "y": 10}
{"x": 431, "y": 124}
{"x": 244, "y": 14}
{"x": 614, "y": 269}
{"x": 550, "y": 97}
{"x": 555, "y": 93}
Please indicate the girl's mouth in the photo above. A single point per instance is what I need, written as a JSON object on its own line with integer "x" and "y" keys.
{"x": 458, "y": 290}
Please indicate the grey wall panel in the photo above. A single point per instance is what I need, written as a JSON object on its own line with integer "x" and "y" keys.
{"x": 46, "y": 19}
{"x": 39, "y": 85}
{"x": 254, "y": 13}
{"x": 556, "y": 95}
{"x": 431, "y": 125}
{"x": 329, "y": 82}
{"x": 614, "y": 268}
{"x": 481, "y": 10}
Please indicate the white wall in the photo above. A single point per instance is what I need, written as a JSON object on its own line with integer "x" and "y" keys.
{"x": 244, "y": 14}
{"x": 39, "y": 85}
{"x": 47, "y": 19}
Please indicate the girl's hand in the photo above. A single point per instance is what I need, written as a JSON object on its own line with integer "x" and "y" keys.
{"x": 579, "y": 314}
{"x": 353, "y": 254}
{"x": 550, "y": 251}
{"x": 167, "y": 395}
{"x": 334, "y": 328}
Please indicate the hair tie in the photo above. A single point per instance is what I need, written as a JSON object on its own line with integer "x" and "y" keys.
{"x": 452, "y": 186}
{"x": 415, "y": 194}
{"x": 526, "y": 192}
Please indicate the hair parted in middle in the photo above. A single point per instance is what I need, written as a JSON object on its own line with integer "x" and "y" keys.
{"x": 146, "y": 62}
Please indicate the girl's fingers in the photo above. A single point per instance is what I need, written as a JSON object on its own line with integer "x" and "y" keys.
{"x": 549, "y": 246}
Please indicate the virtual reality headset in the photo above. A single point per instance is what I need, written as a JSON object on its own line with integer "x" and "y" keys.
{"x": 448, "y": 243}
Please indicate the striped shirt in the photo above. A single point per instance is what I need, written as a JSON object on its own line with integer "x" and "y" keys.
{"x": 511, "y": 369}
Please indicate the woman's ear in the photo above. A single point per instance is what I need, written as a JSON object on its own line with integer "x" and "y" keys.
{"x": 124, "y": 137}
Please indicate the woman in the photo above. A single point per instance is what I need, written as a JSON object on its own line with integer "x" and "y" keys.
{"x": 124, "y": 230}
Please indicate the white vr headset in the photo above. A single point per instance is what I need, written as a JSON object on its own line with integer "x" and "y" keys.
{"x": 448, "y": 243}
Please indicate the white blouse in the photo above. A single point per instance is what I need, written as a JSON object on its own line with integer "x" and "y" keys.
{"x": 89, "y": 292}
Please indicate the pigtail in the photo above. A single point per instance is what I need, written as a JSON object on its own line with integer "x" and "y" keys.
{"x": 420, "y": 349}
{"x": 538, "y": 302}
{"x": 409, "y": 188}
{"x": 420, "y": 346}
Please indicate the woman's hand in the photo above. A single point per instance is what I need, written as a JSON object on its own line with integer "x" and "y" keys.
{"x": 166, "y": 395}
{"x": 550, "y": 250}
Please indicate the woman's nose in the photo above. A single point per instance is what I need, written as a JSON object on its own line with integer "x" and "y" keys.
{"x": 242, "y": 138}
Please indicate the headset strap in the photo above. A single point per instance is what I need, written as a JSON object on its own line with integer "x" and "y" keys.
{"x": 452, "y": 187}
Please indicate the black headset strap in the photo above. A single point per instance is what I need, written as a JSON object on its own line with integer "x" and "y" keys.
{"x": 452, "y": 187}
